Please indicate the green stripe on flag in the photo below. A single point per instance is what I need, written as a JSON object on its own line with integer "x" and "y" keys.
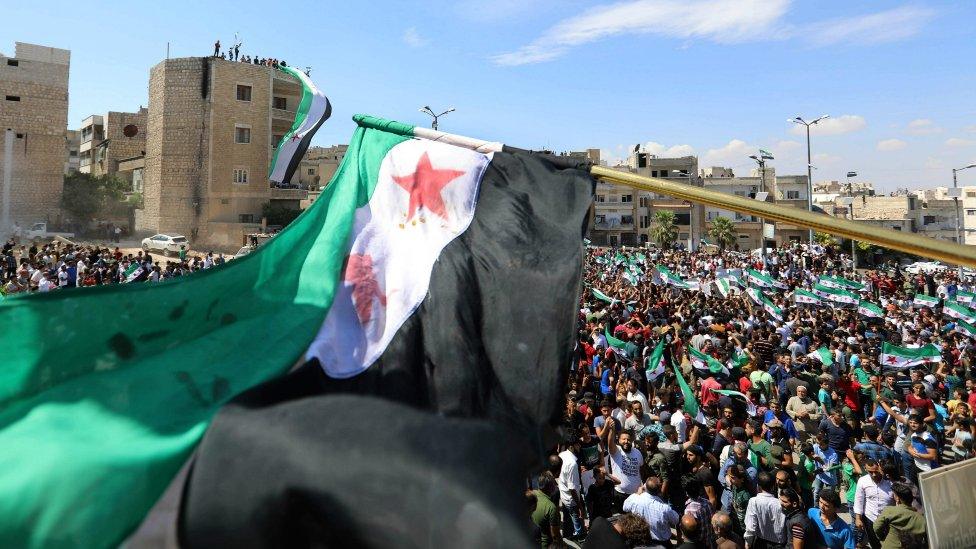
{"x": 691, "y": 403}
{"x": 97, "y": 416}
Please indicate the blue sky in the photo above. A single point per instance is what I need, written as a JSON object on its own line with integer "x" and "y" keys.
{"x": 716, "y": 78}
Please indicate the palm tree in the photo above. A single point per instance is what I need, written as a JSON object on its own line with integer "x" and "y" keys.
{"x": 722, "y": 232}
{"x": 664, "y": 231}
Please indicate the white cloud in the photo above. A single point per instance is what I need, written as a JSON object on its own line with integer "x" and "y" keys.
{"x": 733, "y": 153}
{"x": 823, "y": 159}
{"x": 413, "y": 39}
{"x": 846, "y": 123}
{"x": 875, "y": 28}
{"x": 722, "y": 21}
{"x": 934, "y": 163}
{"x": 956, "y": 142}
{"x": 719, "y": 21}
{"x": 674, "y": 151}
{"x": 922, "y": 126}
{"x": 787, "y": 146}
{"x": 888, "y": 145}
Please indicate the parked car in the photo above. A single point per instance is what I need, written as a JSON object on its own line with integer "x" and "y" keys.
{"x": 925, "y": 267}
{"x": 165, "y": 243}
{"x": 38, "y": 231}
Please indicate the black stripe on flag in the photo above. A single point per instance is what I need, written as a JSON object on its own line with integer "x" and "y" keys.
{"x": 429, "y": 446}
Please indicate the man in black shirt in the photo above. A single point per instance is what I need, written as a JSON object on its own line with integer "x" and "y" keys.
{"x": 799, "y": 529}
{"x": 599, "y": 497}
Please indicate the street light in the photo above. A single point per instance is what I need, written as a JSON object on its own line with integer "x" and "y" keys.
{"x": 955, "y": 185}
{"x": 850, "y": 196}
{"x": 691, "y": 209}
{"x": 761, "y": 159}
{"x": 800, "y": 120}
{"x": 427, "y": 110}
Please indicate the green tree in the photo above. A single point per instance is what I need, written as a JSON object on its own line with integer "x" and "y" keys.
{"x": 824, "y": 239}
{"x": 278, "y": 213}
{"x": 85, "y": 196}
{"x": 722, "y": 232}
{"x": 664, "y": 232}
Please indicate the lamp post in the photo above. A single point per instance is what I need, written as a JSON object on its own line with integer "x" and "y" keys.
{"x": 850, "y": 196}
{"x": 691, "y": 209}
{"x": 800, "y": 120}
{"x": 427, "y": 110}
{"x": 761, "y": 159}
{"x": 955, "y": 185}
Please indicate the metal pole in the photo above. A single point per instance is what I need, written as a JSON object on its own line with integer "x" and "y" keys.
{"x": 955, "y": 185}
{"x": 809, "y": 178}
{"x": 762, "y": 221}
{"x": 433, "y": 125}
{"x": 850, "y": 196}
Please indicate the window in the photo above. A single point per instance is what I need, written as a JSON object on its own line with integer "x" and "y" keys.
{"x": 743, "y": 237}
{"x": 72, "y": 153}
{"x": 243, "y": 92}
{"x": 683, "y": 236}
{"x": 626, "y": 220}
{"x": 970, "y": 212}
{"x": 280, "y": 103}
{"x": 970, "y": 194}
{"x": 682, "y": 219}
{"x": 792, "y": 195}
{"x": 311, "y": 171}
{"x": 653, "y": 173}
{"x": 928, "y": 219}
{"x": 276, "y": 140}
{"x": 225, "y": 201}
{"x": 897, "y": 227}
{"x": 13, "y": 63}
{"x": 601, "y": 219}
{"x": 242, "y": 135}
{"x": 739, "y": 193}
{"x": 246, "y": 218}
{"x": 643, "y": 202}
{"x": 240, "y": 176}
{"x": 627, "y": 198}
{"x": 13, "y": 98}
{"x": 601, "y": 198}
{"x": 645, "y": 221}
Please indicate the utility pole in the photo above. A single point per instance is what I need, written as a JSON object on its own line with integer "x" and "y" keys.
{"x": 761, "y": 159}
{"x": 955, "y": 185}
{"x": 799, "y": 120}
{"x": 427, "y": 110}
{"x": 850, "y": 196}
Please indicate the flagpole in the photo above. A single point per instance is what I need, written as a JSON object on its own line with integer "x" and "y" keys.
{"x": 949, "y": 252}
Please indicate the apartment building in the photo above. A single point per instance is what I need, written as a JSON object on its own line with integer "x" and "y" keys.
{"x": 212, "y": 126}
{"x": 34, "y": 148}
{"x": 72, "y": 143}
{"x": 114, "y": 144}
{"x": 748, "y": 228}
{"x": 319, "y": 165}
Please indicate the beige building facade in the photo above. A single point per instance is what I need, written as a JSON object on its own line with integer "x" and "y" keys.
{"x": 33, "y": 141}
{"x": 107, "y": 141}
{"x": 72, "y": 144}
{"x": 211, "y": 130}
{"x": 319, "y": 165}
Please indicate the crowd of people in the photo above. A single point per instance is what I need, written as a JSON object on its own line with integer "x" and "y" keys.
{"x": 59, "y": 265}
{"x": 710, "y": 406}
{"x": 233, "y": 53}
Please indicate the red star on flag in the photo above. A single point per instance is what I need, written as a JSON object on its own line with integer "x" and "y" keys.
{"x": 365, "y": 288}
{"x": 892, "y": 360}
{"x": 424, "y": 186}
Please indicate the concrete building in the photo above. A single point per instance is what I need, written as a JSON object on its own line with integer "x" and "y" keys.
{"x": 72, "y": 142}
{"x": 790, "y": 191}
{"x": 623, "y": 216}
{"x": 33, "y": 119}
{"x": 110, "y": 143}
{"x": 748, "y": 228}
{"x": 319, "y": 165}
{"x": 212, "y": 126}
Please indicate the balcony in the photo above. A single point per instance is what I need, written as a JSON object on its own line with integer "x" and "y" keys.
{"x": 288, "y": 194}
{"x": 282, "y": 114}
{"x": 613, "y": 226}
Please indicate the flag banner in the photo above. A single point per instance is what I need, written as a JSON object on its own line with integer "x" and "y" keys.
{"x": 780, "y": 284}
{"x": 705, "y": 364}
{"x": 622, "y": 348}
{"x": 134, "y": 272}
{"x": 739, "y": 359}
{"x": 835, "y": 295}
{"x": 724, "y": 286}
{"x": 655, "y": 362}
{"x": 771, "y": 308}
{"x": 750, "y": 407}
{"x": 802, "y": 296}
{"x": 966, "y": 329}
{"x": 824, "y": 355}
{"x": 671, "y": 278}
{"x": 966, "y": 298}
{"x": 313, "y": 110}
{"x": 756, "y": 278}
{"x": 922, "y": 300}
{"x": 870, "y": 310}
{"x": 95, "y": 422}
{"x": 602, "y": 296}
{"x": 900, "y": 358}
{"x": 587, "y": 242}
{"x": 959, "y": 311}
{"x": 690, "y": 402}
{"x": 755, "y": 295}
{"x": 839, "y": 283}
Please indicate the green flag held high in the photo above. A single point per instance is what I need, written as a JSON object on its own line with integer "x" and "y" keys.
{"x": 870, "y": 310}
{"x": 602, "y": 296}
{"x": 705, "y": 364}
{"x": 620, "y": 346}
{"x": 959, "y": 312}
{"x": 824, "y": 355}
{"x": 656, "y": 363}
{"x": 671, "y": 278}
{"x": 691, "y": 403}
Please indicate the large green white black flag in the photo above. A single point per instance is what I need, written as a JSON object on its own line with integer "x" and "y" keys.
{"x": 313, "y": 110}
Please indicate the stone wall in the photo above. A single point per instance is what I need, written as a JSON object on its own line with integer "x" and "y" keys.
{"x": 38, "y": 121}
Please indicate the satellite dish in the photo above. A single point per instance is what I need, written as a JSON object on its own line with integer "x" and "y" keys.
{"x": 130, "y": 131}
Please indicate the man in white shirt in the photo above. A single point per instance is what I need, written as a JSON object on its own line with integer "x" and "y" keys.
{"x": 764, "y": 515}
{"x": 680, "y": 425}
{"x": 871, "y": 496}
{"x": 624, "y": 463}
{"x": 634, "y": 395}
{"x": 44, "y": 285}
{"x": 647, "y": 504}
{"x": 569, "y": 487}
